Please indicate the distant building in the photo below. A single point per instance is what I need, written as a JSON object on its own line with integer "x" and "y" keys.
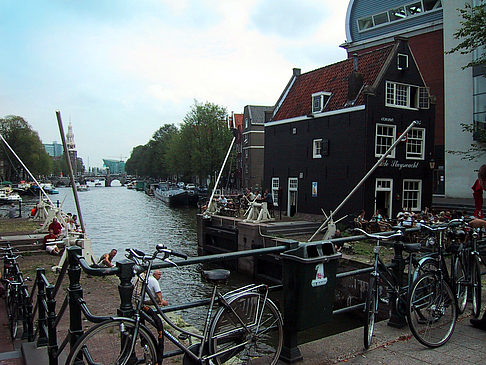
{"x": 73, "y": 153}
{"x": 115, "y": 166}
{"x": 253, "y": 135}
{"x": 54, "y": 149}
{"x": 236, "y": 122}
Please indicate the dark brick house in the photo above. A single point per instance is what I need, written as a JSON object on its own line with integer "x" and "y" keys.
{"x": 331, "y": 125}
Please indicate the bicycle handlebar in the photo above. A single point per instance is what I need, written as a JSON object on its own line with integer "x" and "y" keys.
{"x": 140, "y": 255}
{"x": 443, "y": 227}
{"x": 396, "y": 234}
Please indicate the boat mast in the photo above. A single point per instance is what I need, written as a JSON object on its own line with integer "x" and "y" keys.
{"x": 70, "y": 168}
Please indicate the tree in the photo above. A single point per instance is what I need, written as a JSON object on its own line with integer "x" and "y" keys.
{"x": 209, "y": 137}
{"x": 472, "y": 37}
{"x": 27, "y": 145}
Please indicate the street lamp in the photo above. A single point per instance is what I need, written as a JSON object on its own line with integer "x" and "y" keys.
{"x": 432, "y": 163}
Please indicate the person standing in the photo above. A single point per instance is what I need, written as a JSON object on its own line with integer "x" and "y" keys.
{"x": 479, "y": 223}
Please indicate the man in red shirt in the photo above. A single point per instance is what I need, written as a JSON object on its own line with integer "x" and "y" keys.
{"x": 55, "y": 226}
{"x": 478, "y": 188}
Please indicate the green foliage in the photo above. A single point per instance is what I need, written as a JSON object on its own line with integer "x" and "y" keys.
{"x": 196, "y": 149}
{"x": 472, "y": 33}
{"x": 27, "y": 145}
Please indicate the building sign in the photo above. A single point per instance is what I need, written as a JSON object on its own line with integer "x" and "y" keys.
{"x": 314, "y": 189}
{"x": 399, "y": 165}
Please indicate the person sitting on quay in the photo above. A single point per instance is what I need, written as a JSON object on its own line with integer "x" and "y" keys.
{"x": 154, "y": 287}
{"x": 49, "y": 244}
{"x": 56, "y": 227}
{"x": 106, "y": 259}
{"x": 12, "y": 211}
{"x": 222, "y": 201}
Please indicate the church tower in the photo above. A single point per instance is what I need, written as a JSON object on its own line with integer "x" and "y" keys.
{"x": 73, "y": 154}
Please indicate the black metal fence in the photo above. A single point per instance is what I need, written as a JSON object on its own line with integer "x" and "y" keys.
{"x": 48, "y": 319}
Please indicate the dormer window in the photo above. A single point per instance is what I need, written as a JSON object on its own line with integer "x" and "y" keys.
{"x": 319, "y": 101}
{"x": 402, "y": 62}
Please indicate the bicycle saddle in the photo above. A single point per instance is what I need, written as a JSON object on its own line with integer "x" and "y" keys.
{"x": 408, "y": 247}
{"x": 216, "y": 276}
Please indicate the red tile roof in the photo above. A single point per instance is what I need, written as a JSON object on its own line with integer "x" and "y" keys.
{"x": 332, "y": 78}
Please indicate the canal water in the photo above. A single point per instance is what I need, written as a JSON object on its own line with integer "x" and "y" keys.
{"x": 116, "y": 217}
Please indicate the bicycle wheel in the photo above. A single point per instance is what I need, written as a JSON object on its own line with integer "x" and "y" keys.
{"x": 459, "y": 281}
{"x": 371, "y": 310}
{"x": 250, "y": 333}
{"x": 108, "y": 343}
{"x": 13, "y": 319}
{"x": 432, "y": 310}
{"x": 476, "y": 287}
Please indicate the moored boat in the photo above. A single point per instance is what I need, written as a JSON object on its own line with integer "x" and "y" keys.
{"x": 175, "y": 196}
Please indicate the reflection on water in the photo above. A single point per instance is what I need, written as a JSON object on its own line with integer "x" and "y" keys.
{"x": 116, "y": 217}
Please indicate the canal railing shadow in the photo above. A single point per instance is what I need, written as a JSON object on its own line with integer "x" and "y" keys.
{"x": 48, "y": 319}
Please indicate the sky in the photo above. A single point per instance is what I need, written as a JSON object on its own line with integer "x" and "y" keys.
{"x": 120, "y": 69}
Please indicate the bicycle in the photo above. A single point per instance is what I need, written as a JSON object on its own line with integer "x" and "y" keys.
{"x": 466, "y": 272}
{"x": 432, "y": 305}
{"x": 382, "y": 276}
{"x": 13, "y": 297}
{"x": 246, "y": 328}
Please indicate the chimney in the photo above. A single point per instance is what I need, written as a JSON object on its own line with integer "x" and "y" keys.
{"x": 355, "y": 61}
{"x": 296, "y": 71}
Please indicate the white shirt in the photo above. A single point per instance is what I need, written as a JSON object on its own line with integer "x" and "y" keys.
{"x": 154, "y": 287}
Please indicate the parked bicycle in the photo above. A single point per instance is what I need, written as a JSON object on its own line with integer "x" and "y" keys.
{"x": 385, "y": 284}
{"x": 465, "y": 277}
{"x": 12, "y": 279}
{"x": 432, "y": 307}
{"x": 246, "y": 327}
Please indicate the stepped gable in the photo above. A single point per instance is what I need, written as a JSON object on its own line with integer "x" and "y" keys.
{"x": 332, "y": 78}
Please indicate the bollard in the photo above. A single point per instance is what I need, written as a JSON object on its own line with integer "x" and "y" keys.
{"x": 42, "y": 339}
{"x": 125, "y": 288}
{"x": 51, "y": 325}
{"x": 74, "y": 293}
{"x": 397, "y": 319}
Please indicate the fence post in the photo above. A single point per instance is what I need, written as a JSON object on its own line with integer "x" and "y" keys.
{"x": 51, "y": 325}
{"x": 41, "y": 309}
{"x": 24, "y": 310}
{"x": 397, "y": 320}
{"x": 125, "y": 288}
{"x": 29, "y": 317}
{"x": 74, "y": 293}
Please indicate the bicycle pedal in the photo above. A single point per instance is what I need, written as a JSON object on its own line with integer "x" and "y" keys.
{"x": 385, "y": 301}
{"x": 183, "y": 337}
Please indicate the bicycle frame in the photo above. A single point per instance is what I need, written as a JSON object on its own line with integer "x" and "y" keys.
{"x": 383, "y": 272}
{"x": 216, "y": 297}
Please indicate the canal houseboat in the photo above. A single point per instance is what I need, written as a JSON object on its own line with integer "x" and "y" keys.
{"x": 175, "y": 196}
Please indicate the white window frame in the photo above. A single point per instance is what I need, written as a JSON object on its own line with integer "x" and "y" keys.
{"x": 424, "y": 98}
{"x": 275, "y": 187}
{"x": 384, "y": 184}
{"x": 246, "y": 123}
{"x": 415, "y": 141}
{"x": 398, "y": 95}
{"x": 417, "y": 207}
{"x": 320, "y": 96}
{"x": 392, "y": 137}
{"x": 404, "y": 56}
{"x": 293, "y": 188}
{"x": 317, "y": 148}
